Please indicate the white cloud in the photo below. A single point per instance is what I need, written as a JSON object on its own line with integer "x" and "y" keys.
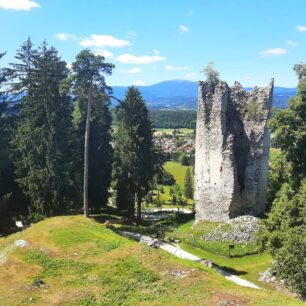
{"x": 175, "y": 68}
{"x": 131, "y": 34}
{"x": 191, "y": 75}
{"x": 139, "y": 60}
{"x": 138, "y": 83}
{"x": 184, "y": 28}
{"x": 18, "y": 5}
{"x": 301, "y": 28}
{"x": 155, "y": 51}
{"x": 134, "y": 70}
{"x": 64, "y": 36}
{"x": 69, "y": 65}
{"x": 105, "y": 53}
{"x": 273, "y": 52}
{"x": 292, "y": 43}
{"x": 96, "y": 40}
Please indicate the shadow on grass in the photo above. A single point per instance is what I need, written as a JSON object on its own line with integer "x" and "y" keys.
{"x": 107, "y": 213}
{"x": 231, "y": 270}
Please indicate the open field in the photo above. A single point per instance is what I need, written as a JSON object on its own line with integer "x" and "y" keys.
{"x": 178, "y": 171}
{"x": 83, "y": 263}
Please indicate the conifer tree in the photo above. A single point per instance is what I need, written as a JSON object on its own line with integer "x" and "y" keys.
{"x": 88, "y": 76}
{"x": 4, "y": 155}
{"x": 285, "y": 229}
{"x": 41, "y": 144}
{"x": 135, "y": 158}
{"x": 100, "y": 149}
{"x": 188, "y": 185}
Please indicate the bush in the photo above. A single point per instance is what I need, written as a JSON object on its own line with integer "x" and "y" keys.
{"x": 165, "y": 178}
{"x": 284, "y": 236}
{"x": 184, "y": 160}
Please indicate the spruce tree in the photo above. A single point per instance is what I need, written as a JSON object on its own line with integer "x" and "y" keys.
{"x": 42, "y": 143}
{"x": 4, "y": 155}
{"x": 88, "y": 80}
{"x": 135, "y": 157}
{"x": 188, "y": 185}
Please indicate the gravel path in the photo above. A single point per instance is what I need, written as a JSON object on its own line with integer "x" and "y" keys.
{"x": 177, "y": 209}
{"x": 178, "y": 252}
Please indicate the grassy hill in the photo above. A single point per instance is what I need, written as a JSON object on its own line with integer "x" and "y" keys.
{"x": 84, "y": 263}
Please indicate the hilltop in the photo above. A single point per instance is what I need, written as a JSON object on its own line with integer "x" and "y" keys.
{"x": 76, "y": 261}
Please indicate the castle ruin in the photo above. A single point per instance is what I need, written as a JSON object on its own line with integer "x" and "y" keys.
{"x": 232, "y": 150}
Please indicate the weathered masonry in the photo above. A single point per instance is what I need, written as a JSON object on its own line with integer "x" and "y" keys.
{"x": 232, "y": 150}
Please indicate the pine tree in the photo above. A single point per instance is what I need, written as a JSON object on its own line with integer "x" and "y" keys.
{"x": 88, "y": 77}
{"x": 188, "y": 185}
{"x": 100, "y": 149}
{"x": 135, "y": 158}
{"x": 41, "y": 144}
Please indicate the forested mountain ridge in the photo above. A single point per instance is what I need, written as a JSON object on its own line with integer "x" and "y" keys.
{"x": 182, "y": 94}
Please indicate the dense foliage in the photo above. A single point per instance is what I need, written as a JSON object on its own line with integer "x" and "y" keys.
{"x": 165, "y": 178}
{"x": 285, "y": 230}
{"x": 41, "y": 143}
{"x": 10, "y": 199}
{"x": 43, "y": 111}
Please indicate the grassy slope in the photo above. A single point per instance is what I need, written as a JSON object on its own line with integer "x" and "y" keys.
{"x": 247, "y": 267}
{"x": 178, "y": 171}
{"x": 83, "y": 263}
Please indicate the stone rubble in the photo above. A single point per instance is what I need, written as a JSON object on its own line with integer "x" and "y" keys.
{"x": 267, "y": 277}
{"x": 242, "y": 230}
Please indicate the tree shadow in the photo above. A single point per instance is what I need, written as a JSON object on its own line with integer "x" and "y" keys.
{"x": 231, "y": 270}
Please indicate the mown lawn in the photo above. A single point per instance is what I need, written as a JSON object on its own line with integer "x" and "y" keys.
{"x": 244, "y": 261}
{"x": 84, "y": 263}
{"x": 177, "y": 170}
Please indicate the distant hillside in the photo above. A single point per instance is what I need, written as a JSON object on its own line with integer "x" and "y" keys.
{"x": 182, "y": 94}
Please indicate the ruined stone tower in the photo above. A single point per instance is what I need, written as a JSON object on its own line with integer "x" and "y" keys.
{"x": 232, "y": 150}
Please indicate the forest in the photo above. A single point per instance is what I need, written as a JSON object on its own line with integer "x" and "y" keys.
{"x": 173, "y": 119}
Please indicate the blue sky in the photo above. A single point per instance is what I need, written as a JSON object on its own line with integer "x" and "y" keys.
{"x": 155, "y": 40}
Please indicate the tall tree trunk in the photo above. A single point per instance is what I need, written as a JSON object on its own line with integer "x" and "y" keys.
{"x": 86, "y": 157}
{"x": 139, "y": 205}
{"x": 131, "y": 205}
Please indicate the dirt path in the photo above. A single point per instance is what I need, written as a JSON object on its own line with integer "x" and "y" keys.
{"x": 178, "y": 252}
{"x": 18, "y": 243}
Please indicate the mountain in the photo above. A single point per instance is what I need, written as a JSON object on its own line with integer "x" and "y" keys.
{"x": 182, "y": 94}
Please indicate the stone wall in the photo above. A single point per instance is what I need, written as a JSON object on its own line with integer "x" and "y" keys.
{"x": 232, "y": 150}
